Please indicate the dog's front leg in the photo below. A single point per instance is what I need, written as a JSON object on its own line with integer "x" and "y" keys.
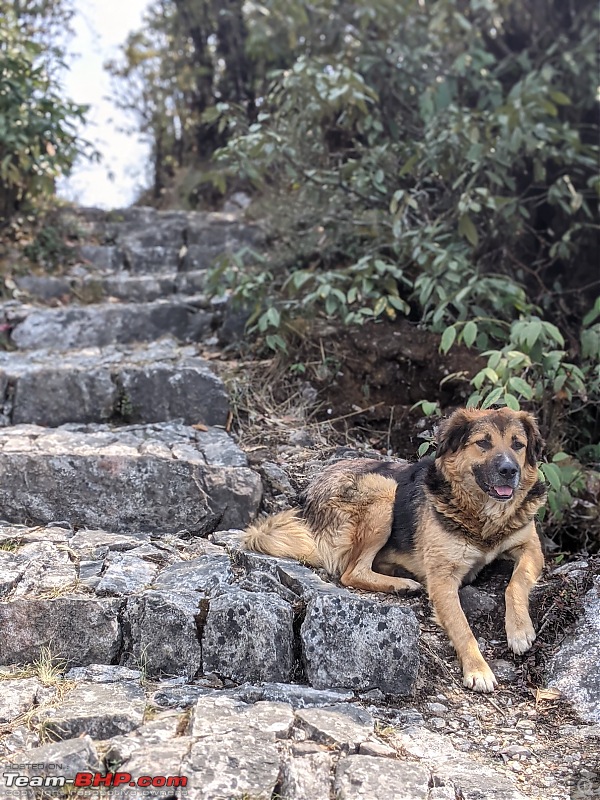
{"x": 443, "y": 593}
{"x": 529, "y": 562}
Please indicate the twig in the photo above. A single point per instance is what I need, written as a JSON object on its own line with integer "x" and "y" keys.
{"x": 345, "y": 416}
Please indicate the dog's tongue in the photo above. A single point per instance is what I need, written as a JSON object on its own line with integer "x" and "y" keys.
{"x": 503, "y": 491}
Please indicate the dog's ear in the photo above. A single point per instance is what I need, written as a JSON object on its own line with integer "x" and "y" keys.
{"x": 453, "y": 433}
{"x": 535, "y": 443}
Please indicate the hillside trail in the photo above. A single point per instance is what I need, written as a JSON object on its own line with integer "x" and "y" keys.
{"x": 143, "y": 652}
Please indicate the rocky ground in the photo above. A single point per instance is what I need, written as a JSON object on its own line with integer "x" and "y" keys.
{"x": 139, "y": 639}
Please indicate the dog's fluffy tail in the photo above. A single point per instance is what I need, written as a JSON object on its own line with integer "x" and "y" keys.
{"x": 285, "y": 535}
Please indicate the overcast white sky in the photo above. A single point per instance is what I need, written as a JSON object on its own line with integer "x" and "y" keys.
{"x": 100, "y": 27}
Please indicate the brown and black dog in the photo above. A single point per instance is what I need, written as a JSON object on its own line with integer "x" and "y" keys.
{"x": 441, "y": 520}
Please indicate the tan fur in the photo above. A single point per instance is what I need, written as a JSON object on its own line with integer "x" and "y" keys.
{"x": 349, "y": 510}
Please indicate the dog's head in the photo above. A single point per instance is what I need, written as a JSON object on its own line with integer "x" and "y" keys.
{"x": 493, "y": 451}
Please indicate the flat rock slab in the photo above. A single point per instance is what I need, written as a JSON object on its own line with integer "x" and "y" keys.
{"x": 344, "y": 727}
{"x": 81, "y": 630}
{"x": 372, "y": 778}
{"x": 161, "y": 478}
{"x": 153, "y": 383}
{"x": 98, "y": 709}
{"x": 360, "y": 643}
{"x": 103, "y": 324}
{"x": 575, "y": 669}
{"x": 17, "y": 697}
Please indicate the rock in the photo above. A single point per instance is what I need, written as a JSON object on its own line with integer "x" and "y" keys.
{"x": 81, "y": 630}
{"x": 163, "y": 759}
{"x": 12, "y": 568}
{"x": 104, "y": 324}
{"x": 100, "y": 710}
{"x": 297, "y": 696}
{"x": 162, "y": 477}
{"x": 179, "y": 697}
{"x": 162, "y": 632}
{"x": 372, "y": 778}
{"x": 378, "y": 749}
{"x": 210, "y": 575}
{"x": 249, "y": 636}
{"x": 257, "y": 581}
{"x": 235, "y": 753}
{"x": 152, "y": 383}
{"x": 103, "y": 673}
{"x": 477, "y": 604}
{"x": 48, "y": 569}
{"x": 304, "y": 581}
{"x": 307, "y": 777}
{"x": 18, "y": 696}
{"x": 342, "y": 726}
{"x": 359, "y": 643}
{"x": 217, "y": 716}
{"x": 124, "y": 575}
{"x": 96, "y": 544}
{"x": 66, "y": 758}
{"x": 574, "y": 669}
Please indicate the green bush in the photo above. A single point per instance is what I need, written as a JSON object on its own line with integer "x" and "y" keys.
{"x": 38, "y": 128}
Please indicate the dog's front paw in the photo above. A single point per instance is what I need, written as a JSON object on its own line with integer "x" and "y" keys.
{"x": 480, "y": 679}
{"x": 520, "y": 638}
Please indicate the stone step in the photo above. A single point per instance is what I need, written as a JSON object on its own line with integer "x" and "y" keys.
{"x": 92, "y": 286}
{"x": 164, "y": 477}
{"x": 144, "y": 240}
{"x": 101, "y": 324}
{"x": 148, "y": 383}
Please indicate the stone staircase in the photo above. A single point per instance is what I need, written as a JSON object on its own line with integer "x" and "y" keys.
{"x": 122, "y": 496}
{"x": 124, "y": 359}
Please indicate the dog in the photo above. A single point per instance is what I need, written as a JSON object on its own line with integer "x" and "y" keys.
{"x": 441, "y": 520}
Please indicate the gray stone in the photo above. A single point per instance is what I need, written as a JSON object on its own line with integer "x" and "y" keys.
{"x": 156, "y": 759}
{"x": 100, "y": 710}
{"x": 210, "y": 575}
{"x": 79, "y": 629}
{"x": 378, "y": 749}
{"x": 12, "y": 567}
{"x": 110, "y": 323}
{"x": 574, "y": 670}
{"x": 65, "y": 758}
{"x": 218, "y": 715}
{"x": 305, "y": 582}
{"x": 249, "y": 636}
{"x": 342, "y": 726}
{"x": 235, "y": 754}
{"x": 297, "y": 696}
{"x": 18, "y": 695}
{"x": 477, "y": 604}
{"x": 48, "y": 568}
{"x": 372, "y": 778}
{"x": 125, "y": 574}
{"x": 257, "y": 581}
{"x": 129, "y": 477}
{"x": 179, "y": 697}
{"x": 148, "y": 383}
{"x": 307, "y": 777}
{"x": 359, "y": 643}
{"x": 162, "y": 632}
{"x": 103, "y": 673}
{"x": 100, "y": 256}
{"x": 97, "y": 544}
{"x": 232, "y": 766}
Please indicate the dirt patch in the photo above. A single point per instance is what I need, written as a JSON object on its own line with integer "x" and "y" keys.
{"x": 369, "y": 377}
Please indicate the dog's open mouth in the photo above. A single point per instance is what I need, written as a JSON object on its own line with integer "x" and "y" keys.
{"x": 501, "y": 492}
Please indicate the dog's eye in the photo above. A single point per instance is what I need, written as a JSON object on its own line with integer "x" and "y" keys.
{"x": 518, "y": 445}
{"x": 484, "y": 444}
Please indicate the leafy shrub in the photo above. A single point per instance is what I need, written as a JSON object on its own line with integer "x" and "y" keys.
{"x": 38, "y": 128}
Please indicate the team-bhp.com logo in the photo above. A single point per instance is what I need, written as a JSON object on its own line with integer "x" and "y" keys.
{"x": 93, "y": 780}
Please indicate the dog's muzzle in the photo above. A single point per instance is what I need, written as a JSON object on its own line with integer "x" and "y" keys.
{"x": 499, "y": 478}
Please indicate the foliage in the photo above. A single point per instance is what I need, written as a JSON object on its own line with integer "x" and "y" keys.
{"x": 38, "y": 128}
{"x": 436, "y": 160}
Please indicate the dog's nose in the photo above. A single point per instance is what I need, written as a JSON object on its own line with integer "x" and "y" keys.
{"x": 507, "y": 467}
